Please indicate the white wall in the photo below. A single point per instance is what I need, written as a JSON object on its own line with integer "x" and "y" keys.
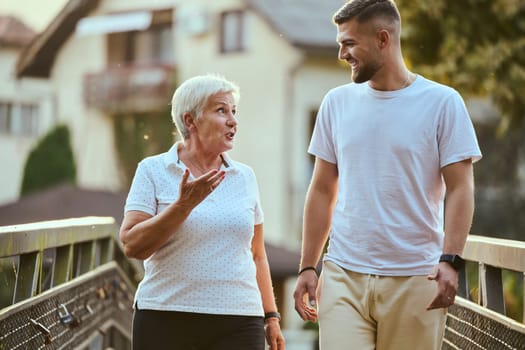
{"x": 14, "y": 149}
{"x": 92, "y": 131}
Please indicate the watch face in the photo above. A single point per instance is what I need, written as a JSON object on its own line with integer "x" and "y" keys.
{"x": 455, "y": 261}
{"x": 458, "y": 262}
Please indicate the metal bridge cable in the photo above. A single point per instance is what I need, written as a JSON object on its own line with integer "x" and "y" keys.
{"x": 459, "y": 320}
{"x": 466, "y": 338}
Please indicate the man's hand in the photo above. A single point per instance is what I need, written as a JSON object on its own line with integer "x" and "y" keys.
{"x": 447, "y": 280}
{"x": 304, "y": 295}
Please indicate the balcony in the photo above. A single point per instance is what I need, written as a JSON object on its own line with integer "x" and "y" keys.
{"x": 130, "y": 89}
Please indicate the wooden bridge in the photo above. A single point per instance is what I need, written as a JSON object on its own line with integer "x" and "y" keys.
{"x": 66, "y": 285}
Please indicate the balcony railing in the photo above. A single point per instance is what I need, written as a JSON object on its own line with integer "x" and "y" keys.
{"x": 130, "y": 89}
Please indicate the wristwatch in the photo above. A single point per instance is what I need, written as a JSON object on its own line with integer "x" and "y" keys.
{"x": 456, "y": 261}
{"x": 272, "y": 314}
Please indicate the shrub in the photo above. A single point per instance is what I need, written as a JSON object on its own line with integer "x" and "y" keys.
{"x": 50, "y": 162}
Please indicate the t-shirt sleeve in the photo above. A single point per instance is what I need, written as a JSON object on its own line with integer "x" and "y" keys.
{"x": 456, "y": 135}
{"x": 322, "y": 141}
{"x": 141, "y": 195}
{"x": 254, "y": 188}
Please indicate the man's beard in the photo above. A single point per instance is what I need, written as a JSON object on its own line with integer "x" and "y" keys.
{"x": 365, "y": 73}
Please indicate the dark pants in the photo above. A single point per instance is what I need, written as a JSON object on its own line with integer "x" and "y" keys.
{"x": 160, "y": 330}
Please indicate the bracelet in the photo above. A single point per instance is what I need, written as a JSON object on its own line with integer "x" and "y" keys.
{"x": 306, "y": 269}
{"x": 272, "y": 314}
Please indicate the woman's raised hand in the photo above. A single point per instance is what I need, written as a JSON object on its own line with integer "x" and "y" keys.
{"x": 191, "y": 193}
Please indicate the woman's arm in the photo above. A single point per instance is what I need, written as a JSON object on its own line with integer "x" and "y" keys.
{"x": 274, "y": 336}
{"x": 142, "y": 234}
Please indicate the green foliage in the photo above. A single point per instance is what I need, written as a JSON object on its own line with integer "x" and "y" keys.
{"x": 499, "y": 205}
{"x": 513, "y": 289}
{"x": 477, "y": 46}
{"x": 140, "y": 135}
{"x": 501, "y": 157}
{"x": 50, "y": 162}
{"x": 311, "y": 326}
{"x": 513, "y": 294}
{"x": 7, "y": 280}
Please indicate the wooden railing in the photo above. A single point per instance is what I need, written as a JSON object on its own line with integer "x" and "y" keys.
{"x": 65, "y": 283}
{"x": 493, "y": 256}
{"x": 479, "y": 320}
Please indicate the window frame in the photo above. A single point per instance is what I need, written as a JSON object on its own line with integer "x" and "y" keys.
{"x": 161, "y": 29}
{"x": 19, "y": 118}
{"x": 239, "y": 40}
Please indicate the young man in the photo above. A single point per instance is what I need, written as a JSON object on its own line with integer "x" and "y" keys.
{"x": 388, "y": 147}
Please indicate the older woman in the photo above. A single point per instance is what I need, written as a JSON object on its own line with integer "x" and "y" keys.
{"x": 194, "y": 216}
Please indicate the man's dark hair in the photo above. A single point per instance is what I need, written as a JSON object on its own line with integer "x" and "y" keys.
{"x": 363, "y": 10}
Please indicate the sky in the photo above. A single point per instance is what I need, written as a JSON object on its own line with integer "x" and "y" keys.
{"x": 34, "y": 13}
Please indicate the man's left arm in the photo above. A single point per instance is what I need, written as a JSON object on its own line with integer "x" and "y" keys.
{"x": 459, "y": 205}
{"x": 459, "y": 211}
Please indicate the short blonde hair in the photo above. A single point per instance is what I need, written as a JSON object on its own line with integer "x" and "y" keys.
{"x": 192, "y": 95}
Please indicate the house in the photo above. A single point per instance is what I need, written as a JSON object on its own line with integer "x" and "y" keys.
{"x": 113, "y": 64}
{"x": 25, "y": 107}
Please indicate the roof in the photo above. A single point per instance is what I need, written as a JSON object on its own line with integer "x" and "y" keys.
{"x": 62, "y": 202}
{"x": 306, "y": 24}
{"x": 14, "y": 33}
{"x": 68, "y": 201}
{"x": 37, "y": 59}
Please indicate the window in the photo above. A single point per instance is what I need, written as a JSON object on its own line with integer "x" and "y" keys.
{"x": 26, "y": 123}
{"x": 233, "y": 35}
{"x": 153, "y": 45}
{"x": 5, "y": 117}
{"x": 18, "y": 119}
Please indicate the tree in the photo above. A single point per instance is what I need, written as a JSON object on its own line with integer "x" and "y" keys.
{"x": 50, "y": 162}
{"x": 477, "y": 46}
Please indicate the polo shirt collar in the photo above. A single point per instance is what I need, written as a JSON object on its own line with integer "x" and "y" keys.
{"x": 171, "y": 158}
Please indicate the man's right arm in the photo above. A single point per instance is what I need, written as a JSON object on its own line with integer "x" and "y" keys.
{"x": 319, "y": 206}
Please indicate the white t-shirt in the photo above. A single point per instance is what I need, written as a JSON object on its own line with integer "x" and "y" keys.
{"x": 390, "y": 147}
{"x": 207, "y": 265}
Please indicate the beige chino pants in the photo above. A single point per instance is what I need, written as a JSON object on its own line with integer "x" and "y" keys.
{"x": 369, "y": 312}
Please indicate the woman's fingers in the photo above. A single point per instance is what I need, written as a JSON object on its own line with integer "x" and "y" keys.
{"x": 211, "y": 179}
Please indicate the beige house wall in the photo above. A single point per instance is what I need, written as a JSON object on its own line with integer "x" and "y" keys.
{"x": 92, "y": 131}
{"x": 313, "y": 80}
{"x": 14, "y": 149}
{"x": 263, "y": 73}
